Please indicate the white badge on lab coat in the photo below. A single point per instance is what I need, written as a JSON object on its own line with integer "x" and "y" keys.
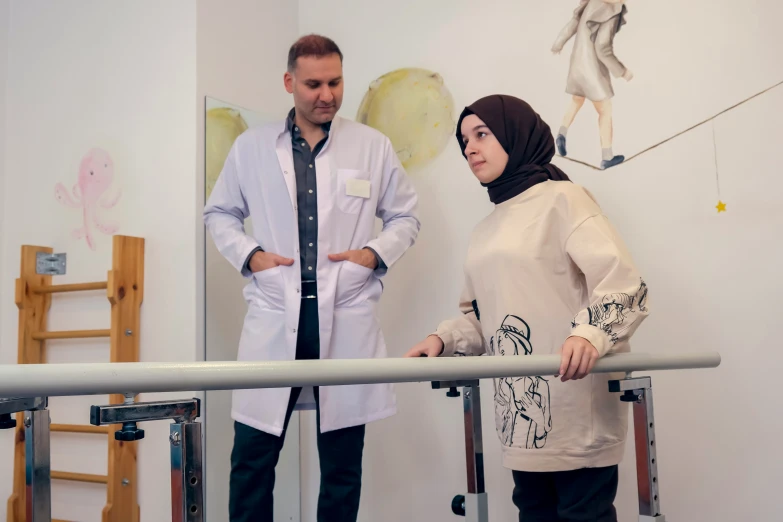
{"x": 357, "y": 187}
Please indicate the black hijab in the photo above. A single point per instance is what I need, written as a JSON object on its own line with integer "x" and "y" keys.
{"x": 525, "y": 137}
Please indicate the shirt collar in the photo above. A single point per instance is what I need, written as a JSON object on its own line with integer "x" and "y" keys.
{"x": 291, "y": 127}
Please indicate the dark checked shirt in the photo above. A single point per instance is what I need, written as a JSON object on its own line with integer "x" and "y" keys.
{"x": 306, "y": 198}
{"x": 307, "y": 214}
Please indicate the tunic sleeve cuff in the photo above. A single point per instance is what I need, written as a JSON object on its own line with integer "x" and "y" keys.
{"x": 594, "y": 335}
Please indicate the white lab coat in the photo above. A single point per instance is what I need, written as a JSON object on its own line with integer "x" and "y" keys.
{"x": 258, "y": 181}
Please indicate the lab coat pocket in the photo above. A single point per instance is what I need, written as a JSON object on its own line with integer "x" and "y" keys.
{"x": 353, "y": 188}
{"x": 351, "y": 284}
{"x": 270, "y": 285}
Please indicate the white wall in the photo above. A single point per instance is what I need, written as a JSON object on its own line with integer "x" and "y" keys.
{"x": 121, "y": 76}
{"x": 242, "y": 46}
{"x": 4, "y": 24}
{"x": 712, "y": 276}
{"x": 6, "y": 356}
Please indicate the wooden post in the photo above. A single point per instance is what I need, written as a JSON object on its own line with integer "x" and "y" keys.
{"x": 125, "y": 291}
{"x": 33, "y": 309}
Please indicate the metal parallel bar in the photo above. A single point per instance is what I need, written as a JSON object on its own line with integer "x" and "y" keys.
{"x": 38, "y": 490}
{"x": 646, "y": 455}
{"x": 101, "y": 378}
{"x": 476, "y": 502}
{"x": 79, "y": 477}
{"x": 74, "y": 287}
{"x": 474, "y": 448}
{"x": 145, "y": 411}
{"x": 71, "y": 334}
{"x": 15, "y": 404}
{"x": 78, "y": 428}
{"x": 187, "y": 493}
{"x": 638, "y": 391}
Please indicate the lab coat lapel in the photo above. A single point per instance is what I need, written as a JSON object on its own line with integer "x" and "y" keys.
{"x": 285, "y": 156}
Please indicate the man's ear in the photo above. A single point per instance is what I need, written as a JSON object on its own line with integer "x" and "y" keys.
{"x": 288, "y": 81}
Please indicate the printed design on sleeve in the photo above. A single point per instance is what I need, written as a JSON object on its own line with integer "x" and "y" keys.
{"x": 522, "y": 413}
{"x": 615, "y": 312}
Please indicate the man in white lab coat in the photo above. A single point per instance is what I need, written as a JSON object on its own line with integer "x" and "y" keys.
{"x": 313, "y": 185}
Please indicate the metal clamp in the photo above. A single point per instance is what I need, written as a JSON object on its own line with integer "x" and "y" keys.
{"x": 474, "y": 505}
{"x": 38, "y": 486}
{"x": 638, "y": 391}
{"x": 50, "y": 264}
{"x": 187, "y": 477}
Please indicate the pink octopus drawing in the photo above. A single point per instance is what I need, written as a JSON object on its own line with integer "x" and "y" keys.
{"x": 96, "y": 173}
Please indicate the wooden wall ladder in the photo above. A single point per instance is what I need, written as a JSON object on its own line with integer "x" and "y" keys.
{"x": 125, "y": 290}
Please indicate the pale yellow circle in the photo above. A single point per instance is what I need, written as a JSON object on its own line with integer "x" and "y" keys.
{"x": 413, "y": 108}
{"x": 223, "y": 127}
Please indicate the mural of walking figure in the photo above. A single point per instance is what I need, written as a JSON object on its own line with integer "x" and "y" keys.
{"x": 593, "y": 62}
{"x": 521, "y": 403}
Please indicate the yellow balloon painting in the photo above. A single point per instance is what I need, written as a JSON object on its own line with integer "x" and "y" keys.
{"x": 223, "y": 127}
{"x": 413, "y": 108}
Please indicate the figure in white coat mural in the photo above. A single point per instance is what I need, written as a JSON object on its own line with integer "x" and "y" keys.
{"x": 314, "y": 185}
{"x": 593, "y": 63}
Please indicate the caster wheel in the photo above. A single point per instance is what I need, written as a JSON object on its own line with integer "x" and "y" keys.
{"x": 458, "y": 505}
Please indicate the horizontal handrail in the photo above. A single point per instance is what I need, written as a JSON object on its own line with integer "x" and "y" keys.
{"x": 54, "y": 380}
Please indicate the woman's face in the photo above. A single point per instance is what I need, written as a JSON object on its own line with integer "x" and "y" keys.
{"x": 486, "y": 157}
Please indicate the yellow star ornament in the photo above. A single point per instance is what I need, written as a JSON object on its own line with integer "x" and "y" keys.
{"x": 721, "y": 206}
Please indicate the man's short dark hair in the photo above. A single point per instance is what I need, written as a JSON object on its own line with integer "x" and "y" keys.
{"x": 312, "y": 45}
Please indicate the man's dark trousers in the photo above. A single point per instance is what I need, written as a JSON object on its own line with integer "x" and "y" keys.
{"x": 255, "y": 454}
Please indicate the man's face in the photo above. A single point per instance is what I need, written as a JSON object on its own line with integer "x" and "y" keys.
{"x": 317, "y": 86}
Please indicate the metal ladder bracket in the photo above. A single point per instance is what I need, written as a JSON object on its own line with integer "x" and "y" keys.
{"x": 50, "y": 264}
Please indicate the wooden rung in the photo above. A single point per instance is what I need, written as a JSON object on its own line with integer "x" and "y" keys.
{"x": 78, "y": 428}
{"x": 80, "y": 477}
{"x": 75, "y": 287}
{"x": 71, "y": 334}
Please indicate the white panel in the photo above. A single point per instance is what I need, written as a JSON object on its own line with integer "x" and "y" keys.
{"x": 120, "y": 76}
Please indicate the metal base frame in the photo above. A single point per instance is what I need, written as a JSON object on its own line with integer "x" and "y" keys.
{"x": 186, "y": 445}
{"x": 638, "y": 391}
{"x": 473, "y": 505}
{"x": 38, "y": 482}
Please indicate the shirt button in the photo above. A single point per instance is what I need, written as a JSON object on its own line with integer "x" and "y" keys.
{"x": 309, "y": 268}
{"x": 296, "y": 129}
{"x": 294, "y": 330}
{"x": 297, "y": 290}
{"x": 311, "y": 244}
{"x": 311, "y": 165}
{"x": 310, "y": 191}
{"x": 304, "y": 144}
{"x": 311, "y": 218}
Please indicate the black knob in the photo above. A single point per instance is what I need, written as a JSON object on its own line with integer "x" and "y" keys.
{"x": 7, "y": 422}
{"x": 458, "y": 505}
{"x": 630, "y": 396}
{"x": 129, "y": 433}
{"x": 452, "y": 392}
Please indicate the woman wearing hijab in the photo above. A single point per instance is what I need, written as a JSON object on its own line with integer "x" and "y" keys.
{"x": 545, "y": 273}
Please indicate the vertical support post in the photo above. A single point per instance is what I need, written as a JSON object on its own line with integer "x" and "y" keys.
{"x": 187, "y": 477}
{"x": 33, "y": 309}
{"x": 476, "y": 505}
{"x": 638, "y": 391}
{"x": 38, "y": 494}
{"x": 125, "y": 291}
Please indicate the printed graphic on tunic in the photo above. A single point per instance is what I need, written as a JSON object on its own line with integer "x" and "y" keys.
{"x": 614, "y": 313}
{"x": 522, "y": 414}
